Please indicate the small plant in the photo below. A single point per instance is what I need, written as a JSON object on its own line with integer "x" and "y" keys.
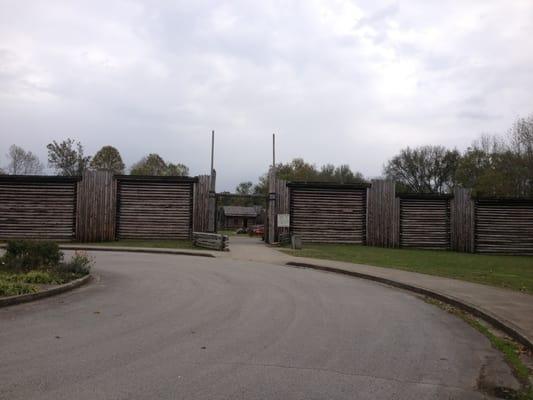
{"x": 24, "y": 255}
{"x": 13, "y": 289}
{"x": 38, "y": 277}
{"x": 79, "y": 264}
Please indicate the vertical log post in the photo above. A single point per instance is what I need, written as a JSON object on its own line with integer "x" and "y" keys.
{"x": 461, "y": 218}
{"x": 96, "y": 207}
{"x": 272, "y": 212}
{"x": 383, "y": 217}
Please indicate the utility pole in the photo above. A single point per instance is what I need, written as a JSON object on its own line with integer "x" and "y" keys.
{"x": 211, "y": 209}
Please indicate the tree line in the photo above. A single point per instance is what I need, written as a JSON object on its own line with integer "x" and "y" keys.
{"x": 68, "y": 158}
{"x": 498, "y": 165}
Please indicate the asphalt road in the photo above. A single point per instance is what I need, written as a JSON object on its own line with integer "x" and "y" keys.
{"x": 178, "y": 327}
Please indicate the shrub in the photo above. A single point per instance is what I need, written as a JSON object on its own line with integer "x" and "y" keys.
{"x": 39, "y": 277}
{"x": 23, "y": 255}
{"x": 13, "y": 289}
{"x": 79, "y": 264}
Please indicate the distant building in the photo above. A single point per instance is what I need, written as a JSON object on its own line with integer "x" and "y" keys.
{"x": 235, "y": 217}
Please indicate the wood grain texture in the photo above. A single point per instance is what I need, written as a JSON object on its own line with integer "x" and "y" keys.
{"x": 328, "y": 213}
{"x": 461, "y": 220}
{"x": 96, "y": 216}
{"x": 425, "y": 222}
{"x": 154, "y": 208}
{"x": 383, "y": 220}
{"x": 37, "y": 207}
{"x": 201, "y": 204}
{"x": 504, "y": 226}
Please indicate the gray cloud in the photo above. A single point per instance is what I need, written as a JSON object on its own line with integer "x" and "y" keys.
{"x": 338, "y": 81}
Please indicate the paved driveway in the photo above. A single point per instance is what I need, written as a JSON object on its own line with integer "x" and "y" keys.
{"x": 178, "y": 327}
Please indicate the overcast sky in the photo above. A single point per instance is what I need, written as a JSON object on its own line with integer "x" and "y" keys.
{"x": 337, "y": 81}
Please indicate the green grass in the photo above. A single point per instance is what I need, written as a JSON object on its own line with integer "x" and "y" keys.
{"x": 227, "y": 232}
{"x": 155, "y": 244}
{"x": 512, "y": 272}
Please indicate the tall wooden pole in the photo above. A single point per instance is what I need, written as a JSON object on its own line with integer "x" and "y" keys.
{"x": 274, "y": 150}
{"x": 272, "y": 212}
{"x": 212, "y": 193}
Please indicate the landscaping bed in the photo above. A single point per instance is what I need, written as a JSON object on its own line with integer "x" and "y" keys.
{"x": 32, "y": 266}
{"x": 512, "y": 272}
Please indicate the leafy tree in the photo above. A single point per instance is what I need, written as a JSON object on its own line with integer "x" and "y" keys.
{"x": 177, "y": 170}
{"x": 108, "y": 159}
{"x": 22, "y": 162}
{"x": 299, "y": 170}
{"x": 426, "y": 169}
{"x": 67, "y": 157}
{"x": 521, "y": 138}
{"x": 154, "y": 165}
{"x": 244, "y": 188}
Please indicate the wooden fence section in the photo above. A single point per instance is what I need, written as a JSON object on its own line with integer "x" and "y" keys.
{"x": 96, "y": 207}
{"x": 271, "y": 212}
{"x": 154, "y": 207}
{"x": 462, "y": 221}
{"x": 425, "y": 222}
{"x": 383, "y": 215}
{"x": 504, "y": 226}
{"x": 201, "y": 204}
{"x": 326, "y": 213}
{"x": 213, "y": 241}
{"x": 37, "y": 207}
{"x": 282, "y": 207}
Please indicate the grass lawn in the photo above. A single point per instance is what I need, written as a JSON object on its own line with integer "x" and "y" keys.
{"x": 159, "y": 244}
{"x": 227, "y": 232}
{"x": 512, "y": 272}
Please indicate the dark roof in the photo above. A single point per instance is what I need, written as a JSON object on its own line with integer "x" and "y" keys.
{"x": 236, "y": 211}
{"x": 328, "y": 185}
{"x": 154, "y": 178}
{"x": 39, "y": 178}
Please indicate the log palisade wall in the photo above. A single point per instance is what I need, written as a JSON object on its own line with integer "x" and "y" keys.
{"x": 154, "y": 207}
{"x": 328, "y": 213}
{"x": 105, "y": 207}
{"x": 37, "y": 207}
{"x": 425, "y": 222}
{"x": 504, "y": 226}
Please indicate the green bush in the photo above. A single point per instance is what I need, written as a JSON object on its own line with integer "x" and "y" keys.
{"x": 13, "y": 289}
{"x": 79, "y": 264}
{"x": 24, "y": 255}
{"x": 39, "y": 277}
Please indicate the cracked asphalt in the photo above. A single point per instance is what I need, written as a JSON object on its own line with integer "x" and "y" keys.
{"x": 178, "y": 327}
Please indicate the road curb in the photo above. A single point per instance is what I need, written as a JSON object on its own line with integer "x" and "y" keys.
{"x": 25, "y": 298}
{"x": 505, "y": 326}
{"x": 142, "y": 250}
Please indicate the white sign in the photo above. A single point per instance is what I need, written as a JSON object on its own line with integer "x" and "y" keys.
{"x": 284, "y": 220}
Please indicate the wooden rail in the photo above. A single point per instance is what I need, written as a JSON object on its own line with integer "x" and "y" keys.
{"x": 154, "y": 207}
{"x": 504, "y": 226}
{"x": 38, "y": 207}
{"x": 213, "y": 241}
{"x": 425, "y": 222}
{"x": 327, "y": 213}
